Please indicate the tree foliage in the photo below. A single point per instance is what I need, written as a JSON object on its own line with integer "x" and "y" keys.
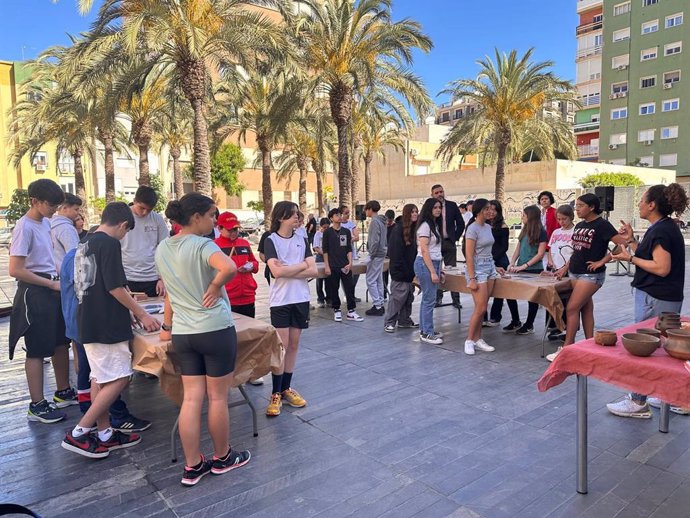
{"x": 156, "y": 184}
{"x": 19, "y": 204}
{"x": 610, "y": 179}
{"x": 226, "y": 164}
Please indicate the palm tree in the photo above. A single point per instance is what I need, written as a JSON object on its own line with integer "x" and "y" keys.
{"x": 173, "y": 128}
{"x": 354, "y": 46}
{"x": 511, "y": 93}
{"x": 196, "y": 40}
{"x": 377, "y": 136}
{"x": 266, "y": 103}
{"x": 300, "y": 146}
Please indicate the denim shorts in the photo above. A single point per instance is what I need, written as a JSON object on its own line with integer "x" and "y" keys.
{"x": 596, "y": 278}
{"x": 484, "y": 270}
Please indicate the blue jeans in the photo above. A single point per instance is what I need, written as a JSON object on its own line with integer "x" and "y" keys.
{"x": 647, "y": 307}
{"x": 426, "y": 309}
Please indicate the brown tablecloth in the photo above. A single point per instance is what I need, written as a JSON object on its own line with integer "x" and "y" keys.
{"x": 359, "y": 267}
{"x": 259, "y": 351}
{"x": 658, "y": 375}
{"x": 544, "y": 290}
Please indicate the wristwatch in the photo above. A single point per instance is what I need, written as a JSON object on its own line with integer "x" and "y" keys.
{"x": 166, "y": 328}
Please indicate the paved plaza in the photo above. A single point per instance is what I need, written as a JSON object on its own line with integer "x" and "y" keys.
{"x": 394, "y": 427}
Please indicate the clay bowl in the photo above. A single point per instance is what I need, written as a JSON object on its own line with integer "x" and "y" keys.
{"x": 649, "y": 331}
{"x": 678, "y": 343}
{"x": 639, "y": 344}
{"x": 664, "y": 324}
{"x": 605, "y": 337}
{"x": 671, "y": 314}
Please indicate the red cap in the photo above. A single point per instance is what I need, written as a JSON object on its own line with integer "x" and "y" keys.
{"x": 228, "y": 220}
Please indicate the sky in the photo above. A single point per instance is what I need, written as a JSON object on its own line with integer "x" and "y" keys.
{"x": 463, "y": 31}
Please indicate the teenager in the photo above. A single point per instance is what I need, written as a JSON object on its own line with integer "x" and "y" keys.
{"x": 312, "y": 228}
{"x": 260, "y": 249}
{"x": 317, "y": 246}
{"x": 337, "y": 261}
{"x": 390, "y": 225}
{"x": 63, "y": 230}
{"x": 377, "y": 244}
{"x": 452, "y": 226}
{"x": 105, "y": 329}
{"x": 427, "y": 267}
{"x": 402, "y": 251}
{"x": 301, "y": 230}
{"x": 349, "y": 223}
{"x": 291, "y": 262}
{"x": 499, "y": 252}
{"x": 199, "y": 323}
{"x": 659, "y": 259}
{"x": 79, "y": 225}
{"x": 36, "y": 312}
{"x": 480, "y": 272}
{"x": 558, "y": 252}
{"x": 139, "y": 245}
{"x": 548, "y": 212}
{"x": 587, "y": 266}
{"x": 528, "y": 257}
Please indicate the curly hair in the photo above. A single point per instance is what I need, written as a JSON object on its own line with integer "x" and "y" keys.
{"x": 668, "y": 198}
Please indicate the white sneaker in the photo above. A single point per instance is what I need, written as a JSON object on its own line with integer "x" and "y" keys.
{"x": 628, "y": 408}
{"x": 469, "y": 347}
{"x": 338, "y": 316}
{"x": 389, "y": 328}
{"x": 551, "y": 357}
{"x": 257, "y": 381}
{"x": 352, "y": 315}
{"x": 439, "y": 335}
{"x": 656, "y": 403}
{"x": 483, "y": 346}
{"x": 430, "y": 339}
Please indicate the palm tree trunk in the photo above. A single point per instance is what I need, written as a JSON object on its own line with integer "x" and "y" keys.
{"x": 356, "y": 146}
{"x": 106, "y": 137}
{"x": 303, "y": 190}
{"x": 175, "y": 153}
{"x": 319, "y": 191}
{"x": 142, "y": 133}
{"x": 144, "y": 176}
{"x": 368, "y": 158}
{"x": 340, "y": 99}
{"x": 500, "y": 193}
{"x": 79, "y": 182}
{"x": 266, "y": 189}
{"x": 194, "y": 80}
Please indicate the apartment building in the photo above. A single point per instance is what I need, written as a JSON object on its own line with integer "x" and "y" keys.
{"x": 630, "y": 63}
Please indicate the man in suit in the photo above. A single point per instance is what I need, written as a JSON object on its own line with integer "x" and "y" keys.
{"x": 452, "y": 227}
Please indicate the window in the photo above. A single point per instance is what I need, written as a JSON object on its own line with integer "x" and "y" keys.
{"x": 619, "y": 88}
{"x": 67, "y": 187}
{"x": 617, "y": 161}
{"x": 673, "y": 48}
{"x": 620, "y": 61}
{"x": 617, "y": 139}
{"x": 458, "y": 114}
{"x": 670, "y": 105}
{"x": 669, "y": 132}
{"x": 674, "y": 20}
{"x": 671, "y": 77}
{"x": 650, "y": 27}
{"x": 645, "y": 3}
{"x": 595, "y": 117}
{"x": 598, "y": 40}
{"x": 645, "y": 135}
{"x": 623, "y": 34}
{"x": 598, "y": 18}
{"x": 648, "y": 54}
{"x": 619, "y": 113}
{"x": 668, "y": 160}
{"x": 647, "y": 161}
{"x": 647, "y": 108}
{"x": 621, "y": 8}
{"x": 445, "y": 116}
{"x": 648, "y": 82}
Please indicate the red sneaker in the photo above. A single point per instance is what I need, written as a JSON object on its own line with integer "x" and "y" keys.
{"x": 121, "y": 440}
{"x": 86, "y": 445}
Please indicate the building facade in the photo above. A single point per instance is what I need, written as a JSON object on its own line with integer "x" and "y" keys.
{"x": 630, "y": 63}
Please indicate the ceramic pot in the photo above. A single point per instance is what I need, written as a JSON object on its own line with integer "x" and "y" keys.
{"x": 639, "y": 344}
{"x": 649, "y": 331}
{"x": 678, "y": 343}
{"x": 665, "y": 323}
{"x": 605, "y": 337}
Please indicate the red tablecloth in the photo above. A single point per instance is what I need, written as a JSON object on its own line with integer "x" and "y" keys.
{"x": 658, "y": 375}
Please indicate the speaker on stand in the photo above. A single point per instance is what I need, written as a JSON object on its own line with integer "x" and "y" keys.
{"x": 361, "y": 216}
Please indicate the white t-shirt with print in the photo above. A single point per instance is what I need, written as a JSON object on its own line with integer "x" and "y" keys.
{"x": 289, "y": 251}
{"x": 434, "y": 243}
{"x": 561, "y": 246}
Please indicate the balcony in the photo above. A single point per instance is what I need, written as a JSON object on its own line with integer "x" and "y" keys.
{"x": 588, "y": 151}
{"x": 589, "y": 27}
{"x": 589, "y": 51}
{"x": 591, "y": 100}
{"x": 584, "y": 5}
{"x": 586, "y": 127}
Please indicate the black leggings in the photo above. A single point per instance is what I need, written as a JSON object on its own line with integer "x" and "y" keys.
{"x": 206, "y": 354}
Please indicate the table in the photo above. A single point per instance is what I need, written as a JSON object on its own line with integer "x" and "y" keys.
{"x": 259, "y": 351}
{"x": 545, "y": 290}
{"x": 658, "y": 375}
{"x": 359, "y": 267}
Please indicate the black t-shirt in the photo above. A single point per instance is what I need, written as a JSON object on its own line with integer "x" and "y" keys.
{"x": 337, "y": 244}
{"x": 97, "y": 270}
{"x": 666, "y": 234}
{"x": 261, "y": 249}
{"x": 590, "y": 243}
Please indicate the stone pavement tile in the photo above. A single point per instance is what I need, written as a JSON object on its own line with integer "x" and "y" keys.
{"x": 423, "y": 503}
{"x": 652, "y": 494}
{"x": 676, "y": 505}
{"x": 667, "y": 456}
{"x": 143, "y": 501}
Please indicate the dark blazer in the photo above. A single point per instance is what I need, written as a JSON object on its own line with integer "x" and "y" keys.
{"x": 455, "y": 225}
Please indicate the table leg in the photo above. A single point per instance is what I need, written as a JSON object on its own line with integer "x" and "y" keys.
{"x": 173, "y": 440}
{"x": 581, "y": 446}
{"x": 543, "y": 341}
{"x": 460, "y": 315}
{"x": 663, "y": 417}
{"x": 251, "y": 406}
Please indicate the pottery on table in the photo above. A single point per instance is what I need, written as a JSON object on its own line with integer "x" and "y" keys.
{"x": 649, "y": 331}
{"x": 667, "y": 321}
{"x": 678, "y": 343}
{"x": 639, "y": 344}
{"x": 605, "y": 337}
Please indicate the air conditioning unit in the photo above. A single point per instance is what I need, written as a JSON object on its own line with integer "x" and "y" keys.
{"x": 668, "y": 86}
{"x": 623, "y": 67}
{"x": 613, "y": 96}
{"x": 623, "y": 94}
{"x": 648, "y": 142}
{"x": 613, "y": 146}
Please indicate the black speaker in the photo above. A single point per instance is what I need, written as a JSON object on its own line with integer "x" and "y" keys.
{"x": 359, "y": 213}
{"x": 605, "y": 195}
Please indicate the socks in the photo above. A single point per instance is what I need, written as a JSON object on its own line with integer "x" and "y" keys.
{"x": 287, "y": 379}
{"x": 105, "y": 435}
{"x": 277, "y": 383}
{"x": 79, "y": 431}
